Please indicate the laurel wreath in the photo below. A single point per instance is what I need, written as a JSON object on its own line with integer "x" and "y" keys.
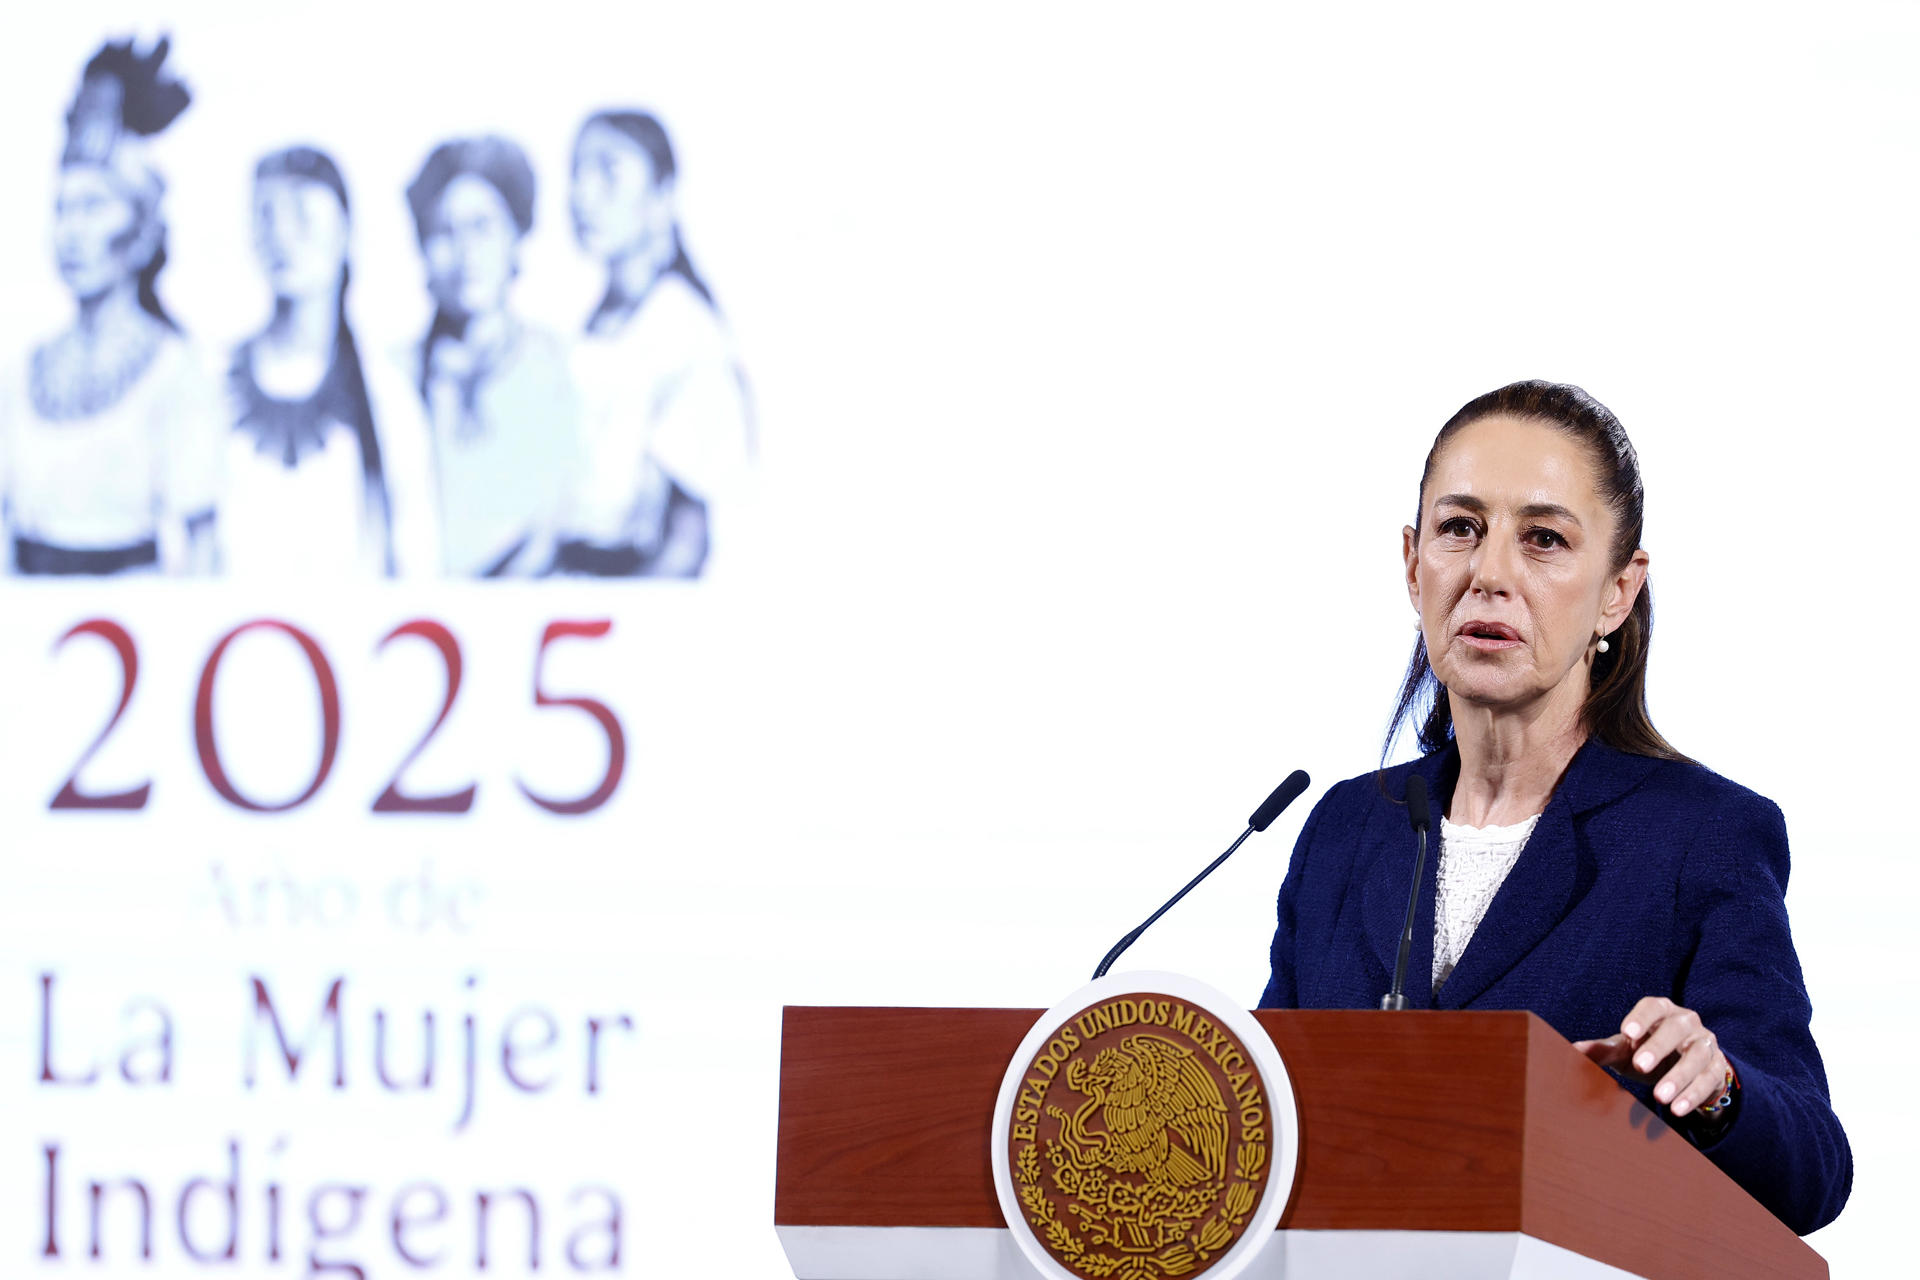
{"x": 1219, "y": 1231}
{"x": 1214, "y": 1236}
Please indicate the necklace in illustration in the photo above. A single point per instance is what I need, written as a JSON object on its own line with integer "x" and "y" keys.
{"x": 78, "y": 375}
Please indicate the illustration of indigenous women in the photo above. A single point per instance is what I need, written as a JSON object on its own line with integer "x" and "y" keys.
{"x": 499, "y": 392}
{"x": 328, "y": 471}
{"x": 667, "y": 419}
{"x": 109, "y": 434}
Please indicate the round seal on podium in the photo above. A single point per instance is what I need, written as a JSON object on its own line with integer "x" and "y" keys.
{"x": 1145, "y": 1130}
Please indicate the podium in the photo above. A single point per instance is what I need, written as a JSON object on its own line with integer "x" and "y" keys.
{"x": 1432, "y": 1144}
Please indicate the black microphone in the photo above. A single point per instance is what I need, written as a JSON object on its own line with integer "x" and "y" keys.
{"x": 1283, "y": 795}
{"x": 1422, "y": 819}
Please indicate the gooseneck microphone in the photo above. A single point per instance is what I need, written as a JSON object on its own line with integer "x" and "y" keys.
{"x": 1270, "y": 808}
{"x": 1422, "y": 819}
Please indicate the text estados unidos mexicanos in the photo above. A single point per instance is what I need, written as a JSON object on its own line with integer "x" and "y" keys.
{"x": 1215, "y": 1042}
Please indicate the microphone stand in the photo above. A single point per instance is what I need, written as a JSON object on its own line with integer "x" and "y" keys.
{"x": 1129, "y": 940}
{"x": 1270, "y": 808}
{"x": 1396, "y": 998}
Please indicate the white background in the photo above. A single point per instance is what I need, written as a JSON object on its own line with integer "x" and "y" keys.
{"x": 1096, "y": 349}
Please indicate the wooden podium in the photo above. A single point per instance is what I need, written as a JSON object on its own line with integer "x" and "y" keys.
{"x": 1431, "y": 1145}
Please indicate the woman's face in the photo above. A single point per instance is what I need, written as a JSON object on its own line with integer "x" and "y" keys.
{"x": 619, "y": 210}
{"x": 300, "y": 234}
{"x": 472, "y": 247}
{"x": 1512, "y": 567}
{"x": 100, "y": 235}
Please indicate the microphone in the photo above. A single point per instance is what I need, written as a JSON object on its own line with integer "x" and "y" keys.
{"x": 1421, "y": 817}
{"x": 1283, "y": 795}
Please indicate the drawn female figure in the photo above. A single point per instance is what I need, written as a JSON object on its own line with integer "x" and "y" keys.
{"x": 108, "y": 436}
{"x": 499, "y": 392}
{"x": 328, "y": 471}
{"x": 667, "y": 421}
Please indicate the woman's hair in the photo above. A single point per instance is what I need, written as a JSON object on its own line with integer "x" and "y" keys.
{"x": 496, "y": 160}
{"x": 343, "y": 391}
{"x": 147, "y": 290}
{"x": 1615, "y": 710}
{"x": 127, "y": 95}
{"x": 647, "y": 133}
{"x": 309, "y": 164}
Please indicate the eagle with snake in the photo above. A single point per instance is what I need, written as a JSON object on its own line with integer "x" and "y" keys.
{"x": 1162, "y": 1114}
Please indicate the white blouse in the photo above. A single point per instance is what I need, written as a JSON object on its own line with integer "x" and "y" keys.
{"x": 505, "y": 462}
{"x": 311, "y": 521}
{"x": 131, "y": 473}
{"x": 1474, "y": 862}
{"x": 660, "y": 393}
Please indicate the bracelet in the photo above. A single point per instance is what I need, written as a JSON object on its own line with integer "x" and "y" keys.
{"x": 1727, "y": 1089}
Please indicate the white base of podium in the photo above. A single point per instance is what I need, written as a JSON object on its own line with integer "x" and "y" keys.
{"x": 988, "y": 1253}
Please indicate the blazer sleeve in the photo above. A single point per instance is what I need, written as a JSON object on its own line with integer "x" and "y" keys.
{"x": 1739, "y": 972}
{"x": 1283, "y": 986}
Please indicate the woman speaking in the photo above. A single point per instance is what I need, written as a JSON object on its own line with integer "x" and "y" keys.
{"x": 1587, "y": 871}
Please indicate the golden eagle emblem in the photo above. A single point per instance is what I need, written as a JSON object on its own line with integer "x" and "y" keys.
{"x": 1138, "y": 1141}
{"x": 1163, "y": 1114}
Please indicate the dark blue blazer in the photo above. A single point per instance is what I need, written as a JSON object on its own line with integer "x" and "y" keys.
{"x": 1643, "y": 877}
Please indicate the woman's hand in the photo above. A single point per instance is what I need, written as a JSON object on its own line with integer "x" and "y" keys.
{"x": 1663, "y": 1042}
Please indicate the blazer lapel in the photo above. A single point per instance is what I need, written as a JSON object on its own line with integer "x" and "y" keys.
{"x": 1547, "y": 880}
{"x": 1535, "y": 897}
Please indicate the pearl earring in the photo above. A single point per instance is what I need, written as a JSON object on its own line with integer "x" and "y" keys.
{"x": 1602, "y": 646}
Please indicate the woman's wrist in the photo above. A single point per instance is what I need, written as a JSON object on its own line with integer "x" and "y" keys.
{"x": 1712, "y": 1119}
{"x": 1722, "y": 1102}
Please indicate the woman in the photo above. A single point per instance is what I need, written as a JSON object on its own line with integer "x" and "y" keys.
{"x": 109, "y": 434}
{"x": 666, "y": 409}
{"x": 1587, "y": 871}
{"x": 499, "y": 392}
{"x": 328, "y": 471}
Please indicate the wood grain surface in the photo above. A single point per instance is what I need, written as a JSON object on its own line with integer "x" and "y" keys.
{"x": 1606, "y": 1178}
{"x": 1411, "y": 1121}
